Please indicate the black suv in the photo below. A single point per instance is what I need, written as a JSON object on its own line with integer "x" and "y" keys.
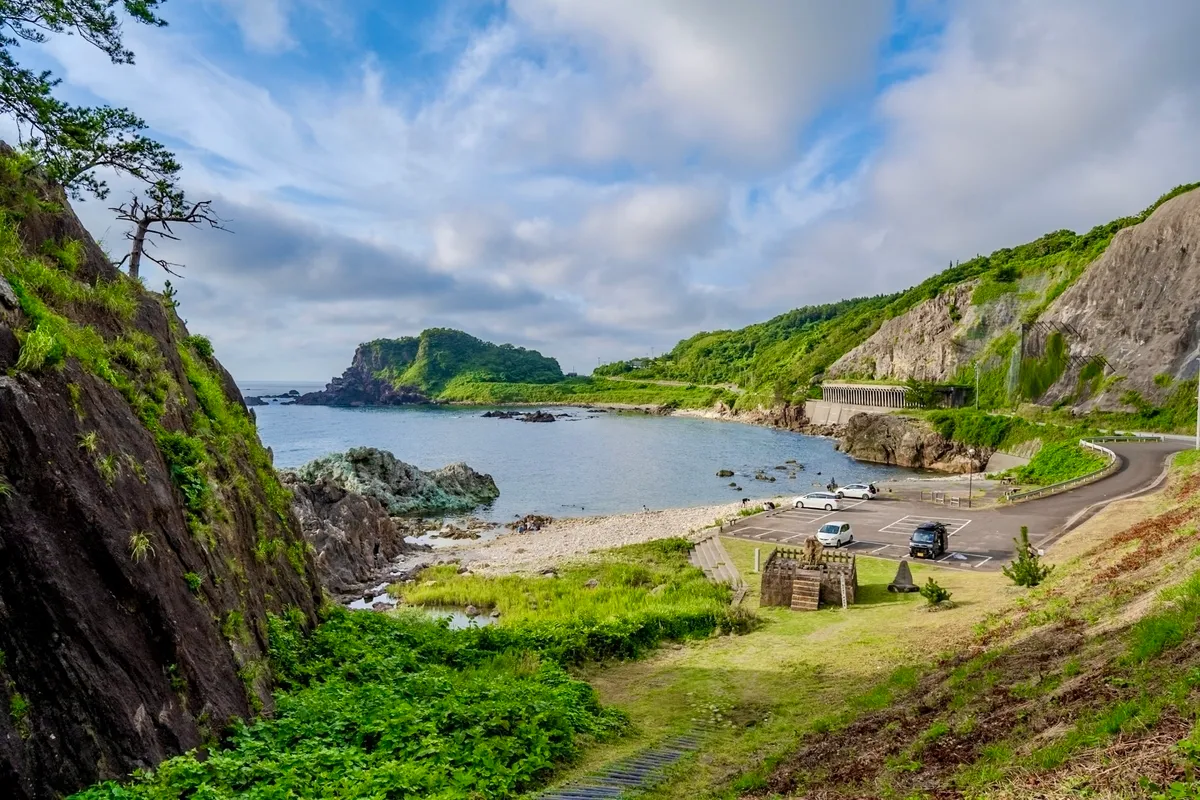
{"x": 927, "y": 541}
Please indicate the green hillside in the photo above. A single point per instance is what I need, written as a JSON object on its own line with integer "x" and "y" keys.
{"x": 780, "y": 359}
{"x": 440, "y": 355}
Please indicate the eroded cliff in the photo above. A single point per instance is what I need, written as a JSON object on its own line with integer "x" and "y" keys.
{"x": 144, "y": 535}
{"x": 1137, "y": 306}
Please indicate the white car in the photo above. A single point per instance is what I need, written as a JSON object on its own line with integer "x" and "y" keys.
{"x": 835, "y": 534}
{"x": 825, "y": 500}
{"x": 863, "y": 491}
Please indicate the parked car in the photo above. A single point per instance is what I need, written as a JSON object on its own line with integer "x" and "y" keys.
{"x": 835, "y": 534}
{"x": 862, "y": 491}
{"x": 825, "y": 500}
{"x": 927, "y": 541}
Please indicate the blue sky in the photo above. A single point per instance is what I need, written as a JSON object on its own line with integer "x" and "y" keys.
{"x": 600, "y": 178}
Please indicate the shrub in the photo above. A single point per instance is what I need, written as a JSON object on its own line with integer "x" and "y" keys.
{"x": 1027, "y": 569}
{"x": 193, "y": 581}
{"x": 202, "y": 345}
{"x": 934, "y": 593}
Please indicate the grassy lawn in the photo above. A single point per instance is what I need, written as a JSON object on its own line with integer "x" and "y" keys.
{"x": 761, "y": 689}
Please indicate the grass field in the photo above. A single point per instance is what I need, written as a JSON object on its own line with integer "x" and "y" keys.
{"x": 796, "y": 671}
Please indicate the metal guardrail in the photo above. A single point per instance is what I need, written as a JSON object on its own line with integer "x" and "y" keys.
{"x": 1108, "y": 469}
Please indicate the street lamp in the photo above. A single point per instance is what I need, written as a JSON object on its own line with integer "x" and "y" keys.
{"x": 971, "y": 474}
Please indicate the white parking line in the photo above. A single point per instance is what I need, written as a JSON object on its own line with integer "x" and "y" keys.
{"x": 909, "y": 521}
{"x": 981, "y": 563}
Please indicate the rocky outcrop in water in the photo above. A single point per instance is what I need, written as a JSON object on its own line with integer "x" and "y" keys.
{"x": 361, "y": 384}
{"x": 402, "y": 488}
{"x": 906, "y": 442}
{"x": 353, "y": 536}
{"x": 143, "y": 536}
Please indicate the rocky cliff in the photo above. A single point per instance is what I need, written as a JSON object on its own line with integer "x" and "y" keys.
{"x": 906, "y": 442}
{"x": 144, "y": 536}
{"x": 923, "y": 343}
{"x": 1138, "y": 306}
{"x": 401, "y": 488}
{"x": 354, "y": 537}
{"x": 366, "y": 383}
{"x": 414, "y": 369}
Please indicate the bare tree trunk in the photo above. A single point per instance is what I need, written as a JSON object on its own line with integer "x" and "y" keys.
{"x": 139, "y": 243}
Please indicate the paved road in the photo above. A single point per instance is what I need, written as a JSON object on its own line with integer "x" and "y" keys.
{"x": 978, "y": 539}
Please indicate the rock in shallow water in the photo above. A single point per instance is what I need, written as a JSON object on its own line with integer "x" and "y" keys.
{"x": 402, "y": 488}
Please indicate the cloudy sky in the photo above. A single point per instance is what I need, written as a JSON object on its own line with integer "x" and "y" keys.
{"x": 600, "y": 178}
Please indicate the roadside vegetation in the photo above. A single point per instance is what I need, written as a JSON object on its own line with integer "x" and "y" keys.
{"x": 1059, "y": 455}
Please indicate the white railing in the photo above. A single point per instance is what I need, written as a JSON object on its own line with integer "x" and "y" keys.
{"x": 1112, "y": 465}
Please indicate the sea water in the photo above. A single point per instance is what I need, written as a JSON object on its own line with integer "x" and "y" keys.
{"x": 585, "y": 464}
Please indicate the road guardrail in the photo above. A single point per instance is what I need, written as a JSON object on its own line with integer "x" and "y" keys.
{"x": 1091, "y": 443}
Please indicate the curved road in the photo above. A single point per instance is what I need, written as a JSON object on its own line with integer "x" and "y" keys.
{"x": 980, "y": 539}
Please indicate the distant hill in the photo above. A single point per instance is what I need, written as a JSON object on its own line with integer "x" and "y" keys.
{"x": 972, "y": 314}
{"x": 416, "y": 369}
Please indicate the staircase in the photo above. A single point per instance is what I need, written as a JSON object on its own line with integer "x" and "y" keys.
{"x": 632, "y": 775}
{"x": 806, "y": 590}
{"x": 709, "y": 555}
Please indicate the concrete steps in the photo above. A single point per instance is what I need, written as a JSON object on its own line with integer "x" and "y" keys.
{"x": 709, "y": 555}
{"x": 806, "y": 592}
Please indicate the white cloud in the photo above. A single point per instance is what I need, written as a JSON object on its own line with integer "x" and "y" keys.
{"x": 263, "y": 23}
{"x": 601, "y": 177}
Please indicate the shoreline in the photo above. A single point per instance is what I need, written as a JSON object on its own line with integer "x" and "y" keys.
{"x": 573, "y": 538}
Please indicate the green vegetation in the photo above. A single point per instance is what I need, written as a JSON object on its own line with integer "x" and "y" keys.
{"x": 1060, "y": 461}
{"x": 934, "y": 594}
{"x": 399, "y": 706}
{"x": 71, "y": 142}
{"x": 779, "y": 359}
{"x": 1037, "y": 374}
{"x": 583, "y": 391}
{"x": 194, "y": 581}
{"x": 1027, "y": 569}
{"x": 973, "y": 427}
{"x": 651, "y": 589}
{"x": 18, "y": 712}
{"x": 140, "y": 546}
{"x": 439, "y": 355}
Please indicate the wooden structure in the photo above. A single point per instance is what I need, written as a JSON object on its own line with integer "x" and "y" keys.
{"x": 803, "y": 579}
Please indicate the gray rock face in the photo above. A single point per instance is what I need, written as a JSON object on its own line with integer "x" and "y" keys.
{"x": 353, "y": 536}
{"x": 906, "y": 442}
{"x": 402, "y": 488}
{"x": 1138, "y": 305}
{"x": 918, "y": 344}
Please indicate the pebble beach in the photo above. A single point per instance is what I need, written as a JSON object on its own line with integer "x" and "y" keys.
{"x": 574, "y": 538}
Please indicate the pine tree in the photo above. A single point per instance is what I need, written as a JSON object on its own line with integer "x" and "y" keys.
{"x": 1027, "y": 569}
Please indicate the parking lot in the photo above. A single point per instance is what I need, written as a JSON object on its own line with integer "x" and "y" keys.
{"x": 979, "y": 539}
{"x": 881, "y": 528}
